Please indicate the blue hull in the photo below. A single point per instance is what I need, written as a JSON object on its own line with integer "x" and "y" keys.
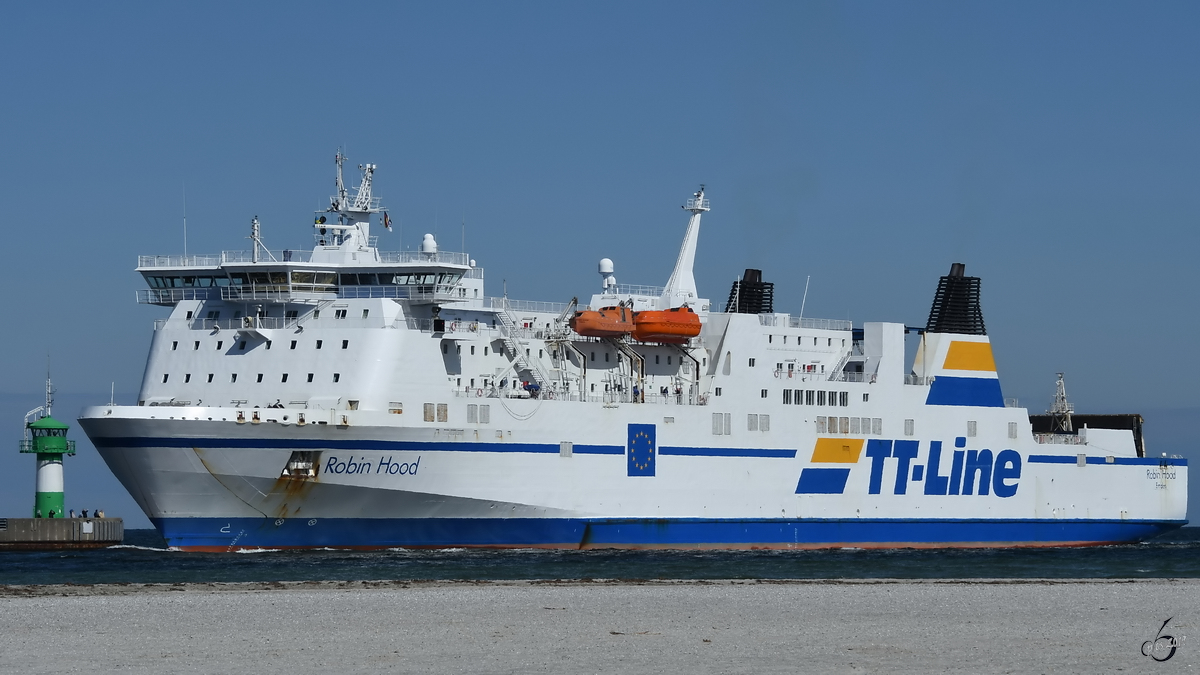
{"x": 211, "y": 534}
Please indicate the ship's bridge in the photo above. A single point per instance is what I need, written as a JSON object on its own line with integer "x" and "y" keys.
{"x": 290, "y": 276}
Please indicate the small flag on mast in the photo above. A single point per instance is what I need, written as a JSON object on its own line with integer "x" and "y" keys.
{"x": 387, "y": 221}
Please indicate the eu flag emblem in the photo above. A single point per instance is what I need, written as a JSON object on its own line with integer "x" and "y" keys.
{"x": 641, "y": 449}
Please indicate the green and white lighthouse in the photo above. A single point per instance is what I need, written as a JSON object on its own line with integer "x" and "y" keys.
{"x": 47, "y": 438}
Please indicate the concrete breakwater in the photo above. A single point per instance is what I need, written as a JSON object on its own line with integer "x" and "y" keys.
{"x": 52, "y": 533}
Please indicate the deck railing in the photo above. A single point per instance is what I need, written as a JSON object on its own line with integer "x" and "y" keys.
{"x": 292, "y": 255}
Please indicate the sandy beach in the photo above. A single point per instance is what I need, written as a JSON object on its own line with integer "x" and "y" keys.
{"x": 1026, "y": 626}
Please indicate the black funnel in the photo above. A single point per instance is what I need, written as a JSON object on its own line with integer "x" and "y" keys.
{"x": 956, "y": 306}
{"x": 751, "y": 295}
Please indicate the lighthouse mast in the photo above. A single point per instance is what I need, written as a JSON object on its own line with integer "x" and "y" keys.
{"x": 47, "y": 438}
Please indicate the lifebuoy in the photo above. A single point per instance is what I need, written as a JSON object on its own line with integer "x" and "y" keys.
{"x": 474, "y": 326}
{"x": 478, "y": 393}
{"x": 778, "y": 373}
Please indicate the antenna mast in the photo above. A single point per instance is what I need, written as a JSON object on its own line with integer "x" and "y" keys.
{"x": 1060, "y": 409}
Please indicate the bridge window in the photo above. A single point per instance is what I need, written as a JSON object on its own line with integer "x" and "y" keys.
{"x": 174, "y": 345}
{"x": 210, "y": 378}
{"x": 220, "y": 343}
{"x": 337, "y": 377}
{"x": 233, "y": 377}
{"x": 293, "y": 344}
{"x": 764, "y": 393}
{"x": 319, "y": 342}
{"x": 165, "y": 376}
{"x": 752, "y": 363}
{"x": 187, "y": 377}
{"x": 260, "y": 375}
{"x": 345, "y": 344}
{"x": 196, "y": 345}
{"x": 717, "y": 391}
{"x": 787, "y": 396}
{"x": 339, "y": 313}
{"x": 310, "y": 377}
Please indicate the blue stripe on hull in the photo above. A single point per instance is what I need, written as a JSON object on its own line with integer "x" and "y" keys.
{"x": 240, "y": 533}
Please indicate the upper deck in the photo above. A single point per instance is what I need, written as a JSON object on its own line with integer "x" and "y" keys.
{"x": 291, "y": 276}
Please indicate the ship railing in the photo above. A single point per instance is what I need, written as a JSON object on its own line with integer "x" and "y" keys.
{"x": 179, "y": 260}
{"x": 844, "y": 376}
{"x": 524, "y": 305}
{"x": 440, "y": 257}
{"x": 1060, "y": 439}
{"x": 636, "y": 289}
{"x": 420, "y": 294}
{"x": 171, "y": 296}
{"x": 276, "y": 293}
{"x": 491, "y": 391}
{"x": 917, "y": 380}
{"x": 804, "y": 322}
{"x": 225, "y": 258}
{"x": 807, "y": 376}
{"x": 1012, "y": 403}
{"x": 284, "y": 255}
{"x": 245, "y": 323}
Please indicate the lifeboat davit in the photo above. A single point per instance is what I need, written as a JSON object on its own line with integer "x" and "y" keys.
{"x": 675, "y": 325}
{"x": 608, "y": 322}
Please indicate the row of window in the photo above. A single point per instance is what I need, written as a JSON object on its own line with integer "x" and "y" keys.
{"x": 281, "y": 278}
{"x": 233, "y": 378}
{"x": 722, "y": 423}
{"x": 866, "y": 426}
{"x": 874, "y": 426}
{"x": 242, "y": 345}
{"x": 800, "y": 340}
{"x": 816, "y": 397}
{"x": 215, "y": 314}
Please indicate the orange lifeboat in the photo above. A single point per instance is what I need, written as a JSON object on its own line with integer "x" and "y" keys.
{"x": 674, "y": 325}
{"x": 608, "y": 322}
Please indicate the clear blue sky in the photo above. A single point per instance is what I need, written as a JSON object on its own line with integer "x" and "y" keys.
{"x": 1052, "y": 147}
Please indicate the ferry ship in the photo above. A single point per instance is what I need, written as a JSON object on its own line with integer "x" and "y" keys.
{"x": 347, "y": 396}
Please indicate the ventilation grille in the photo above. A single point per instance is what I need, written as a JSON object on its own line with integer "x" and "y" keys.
{"x": 751, "y": 295}
{"x": 956, "y": 306}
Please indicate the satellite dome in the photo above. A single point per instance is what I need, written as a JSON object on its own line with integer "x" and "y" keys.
{"x": 428, "y": 245}
{"x": 606, "y": 266}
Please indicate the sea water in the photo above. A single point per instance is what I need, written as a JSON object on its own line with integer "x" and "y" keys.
{"x": 145, "y": 558}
